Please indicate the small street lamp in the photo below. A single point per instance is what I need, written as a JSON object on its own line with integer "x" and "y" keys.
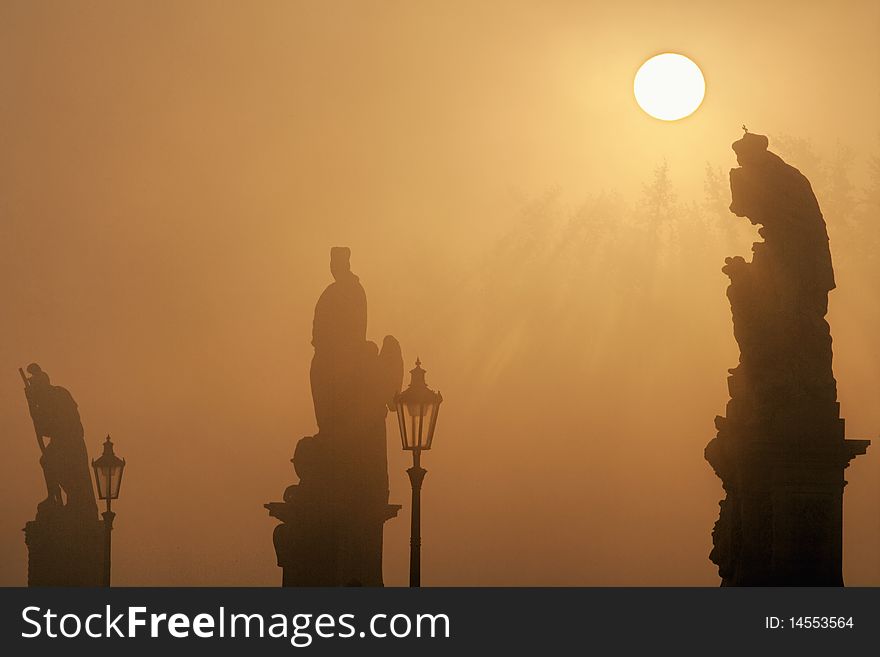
{"x": 108, "y": 477}
{"x": 417, "y": 409}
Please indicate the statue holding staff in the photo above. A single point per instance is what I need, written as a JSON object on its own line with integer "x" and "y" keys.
{"x": 64, "y": 458}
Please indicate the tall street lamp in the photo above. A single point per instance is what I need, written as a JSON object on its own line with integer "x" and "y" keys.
{"x": 108, "y": 477}
{"x": 417, "y": 409}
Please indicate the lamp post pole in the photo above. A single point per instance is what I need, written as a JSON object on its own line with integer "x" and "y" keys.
{"x": 417, "y": 409}
{"x": 108, "y": 531}
{"x": 108, "y": 478}
{"x": 416, "y": 475}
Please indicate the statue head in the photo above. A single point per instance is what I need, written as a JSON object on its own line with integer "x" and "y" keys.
{"x": 339, "y": 262}
{"x": 751, "y": 148}
{"x": 38, "y": 377}
{"x": 749, "y": 187}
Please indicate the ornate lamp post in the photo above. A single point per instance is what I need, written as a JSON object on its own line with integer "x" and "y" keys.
{"x": 417, "y": 409}
{"x": 108, "y": 477}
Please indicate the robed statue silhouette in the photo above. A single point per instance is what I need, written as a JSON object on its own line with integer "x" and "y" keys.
{"x": 332, "y": 519}
{"x": 780, "y": 451}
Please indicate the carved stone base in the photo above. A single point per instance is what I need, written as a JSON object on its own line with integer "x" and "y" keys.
{"x": 781, "y": 523}
{"x": 64, "y": 549}
{"x": 324, "y": 544}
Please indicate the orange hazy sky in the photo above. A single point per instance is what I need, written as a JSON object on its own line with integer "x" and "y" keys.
{"x": 173, "y": 174}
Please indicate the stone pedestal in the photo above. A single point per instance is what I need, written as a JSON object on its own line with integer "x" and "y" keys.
{"x": 64, "y": 549}
{"x": 329, "y": 543}
{"x": 781, "y": 523}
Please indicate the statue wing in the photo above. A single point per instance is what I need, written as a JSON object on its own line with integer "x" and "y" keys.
{"x": 390, "y": 369}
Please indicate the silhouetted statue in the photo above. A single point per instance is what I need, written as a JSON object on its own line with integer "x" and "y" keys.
{"x": 780, "y": 452}
{"x": 65, "y": 460}
{"x": 332, "y": 520}
{"x": 65, "y": 540}
{"x": 339, "y": 336}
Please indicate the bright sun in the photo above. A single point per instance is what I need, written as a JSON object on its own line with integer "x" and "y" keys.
{"x": 669, "y": 86}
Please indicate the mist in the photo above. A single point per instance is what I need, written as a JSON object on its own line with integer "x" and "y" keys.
{"x": 173, "y": 177}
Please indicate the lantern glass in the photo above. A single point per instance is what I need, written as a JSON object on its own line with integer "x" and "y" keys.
{"x": 417, "y": 408}
{"x": 109, "y": 481}
{"x": 108, "y": 472}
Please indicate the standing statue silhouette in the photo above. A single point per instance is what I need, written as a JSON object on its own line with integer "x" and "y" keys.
{"x": 331, "y": 531}
{"x": 339, "y": 336}
{"x": 780, "y": 451}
